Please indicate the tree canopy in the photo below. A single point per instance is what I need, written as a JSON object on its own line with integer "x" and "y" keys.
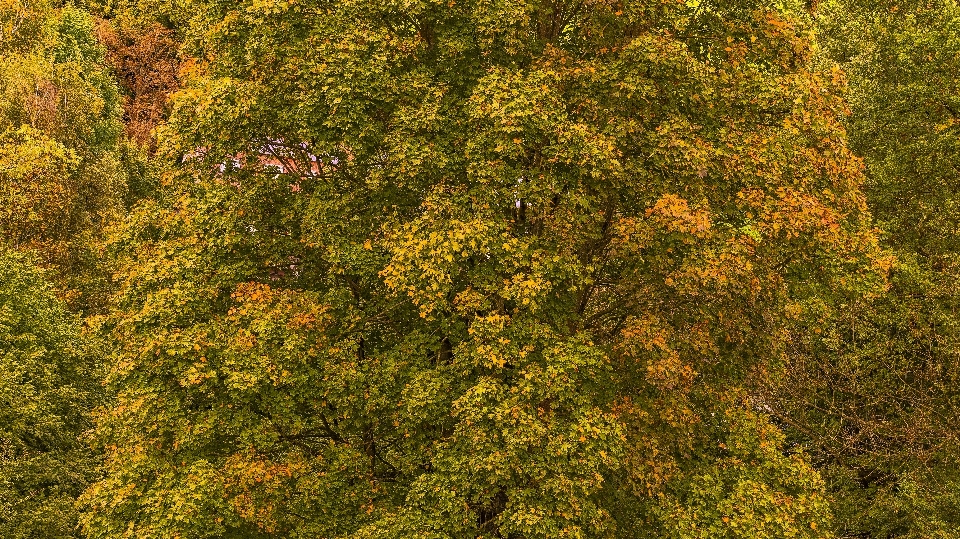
{"x": 446, "y": 270}
{"x": 61, "y": 172}
{"x": 874, "y": 396}
{"x": 467, "y": 269}
{"x": 48, "y": 383}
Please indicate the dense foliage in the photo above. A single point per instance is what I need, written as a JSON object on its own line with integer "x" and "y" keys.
{"x": 874, "y": 397}
{"x": 470, "y": 269}
{"x": 514, "y": 279}
{"x": 61, "y": 173}
{"x": 48, "y": 382}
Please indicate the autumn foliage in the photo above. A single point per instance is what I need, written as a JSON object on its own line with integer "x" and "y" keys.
{"x": 146, "y": 64}
{"x": 548, "y": 256}
{"x": 517, "y": 269}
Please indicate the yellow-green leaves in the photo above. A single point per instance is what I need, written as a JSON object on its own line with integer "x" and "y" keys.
{"x": 48, "y": 385}
{"x": 751, "y": 489}
{"x": 467, "y": 269}
{"x": 61, "y": 179}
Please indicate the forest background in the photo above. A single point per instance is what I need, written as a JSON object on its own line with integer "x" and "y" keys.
{"x": 488, "y": 269}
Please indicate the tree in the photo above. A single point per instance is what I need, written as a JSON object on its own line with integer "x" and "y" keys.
{"x": 871, "y": 392}
{"x": 474, "y": 269}
{"x": 62, "y": 179}
{"x": 46, "y": 392}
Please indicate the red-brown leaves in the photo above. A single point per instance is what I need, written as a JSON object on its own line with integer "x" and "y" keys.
{"x": 147, "y": 64}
